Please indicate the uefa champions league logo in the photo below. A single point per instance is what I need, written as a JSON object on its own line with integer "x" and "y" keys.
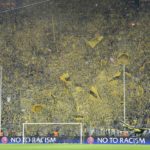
{"x": 4, "y": 140}
{"x": 90, "y": 140}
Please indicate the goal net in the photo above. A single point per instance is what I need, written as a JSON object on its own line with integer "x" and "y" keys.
{"x": 46, "y": 133}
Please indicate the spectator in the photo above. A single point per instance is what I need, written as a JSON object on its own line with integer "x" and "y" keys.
{"x": 1, "y": 133}
{"x": 56, "y": 133}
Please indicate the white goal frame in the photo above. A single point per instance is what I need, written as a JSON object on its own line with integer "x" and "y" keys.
{"x": 80, "y": 124}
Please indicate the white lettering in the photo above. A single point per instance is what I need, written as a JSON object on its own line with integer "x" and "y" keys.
{"x": 102, "y": 140}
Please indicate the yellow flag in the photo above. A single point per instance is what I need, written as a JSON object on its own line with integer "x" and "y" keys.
{"x": 116, "y": 76}
{"x": 65, "y": 77}
{"x": 93, "y": 42}
{"x": 94, "y": 92}
{"x": 140, "y": 91}
{"x": 79, "y": 89}
{"x": 123, "y": 59}
{"x": 37, "y": 108}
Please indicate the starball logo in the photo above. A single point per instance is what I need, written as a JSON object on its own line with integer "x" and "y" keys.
{"x": 90, "y": 140}
{"x": 4, "y": 140}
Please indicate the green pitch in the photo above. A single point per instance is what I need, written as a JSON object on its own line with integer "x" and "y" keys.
{"x": 74, "y": 147}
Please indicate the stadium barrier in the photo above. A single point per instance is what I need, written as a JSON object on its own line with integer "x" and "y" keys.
{"x": 73, "y": 140}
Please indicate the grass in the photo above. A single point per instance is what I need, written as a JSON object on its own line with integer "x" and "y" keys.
{"x": 73, "y": 147}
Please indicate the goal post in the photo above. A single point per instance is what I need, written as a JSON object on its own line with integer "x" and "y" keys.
{"x": 76, "y": 127}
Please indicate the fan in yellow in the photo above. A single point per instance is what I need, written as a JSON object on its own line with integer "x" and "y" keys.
{"x": 136, "y": 131}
